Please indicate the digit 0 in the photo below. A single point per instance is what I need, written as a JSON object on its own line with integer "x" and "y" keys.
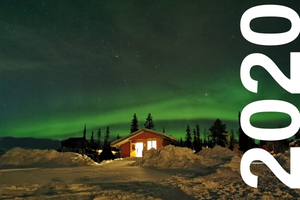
{"x": 270, "y": 39}
{"x": 270, "y": 106}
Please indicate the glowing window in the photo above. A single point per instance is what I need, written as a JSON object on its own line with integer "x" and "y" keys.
{"x": 151, "y": 144}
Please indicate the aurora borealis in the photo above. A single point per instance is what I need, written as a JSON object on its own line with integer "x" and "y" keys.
{"x": 64, "y": 64}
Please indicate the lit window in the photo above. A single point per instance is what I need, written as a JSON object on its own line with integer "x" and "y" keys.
{"x": 151, "y": 144}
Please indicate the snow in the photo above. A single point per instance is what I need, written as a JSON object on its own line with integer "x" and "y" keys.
{"x": 217, "y": 151}
{"x": 20, "y": 158}
{"x": 183, "y": 157}
{"x": 211, "y": 174}
{"x": 294, "y": 143}
{"x": 169, "y": 157}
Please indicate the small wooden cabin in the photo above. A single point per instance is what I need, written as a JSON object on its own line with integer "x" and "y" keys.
{"x": 134, "y": 144}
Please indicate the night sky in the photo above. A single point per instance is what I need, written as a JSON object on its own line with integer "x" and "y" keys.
{"x": 64, "y": 64}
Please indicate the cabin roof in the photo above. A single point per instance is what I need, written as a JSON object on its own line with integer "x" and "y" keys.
{"x": 127, "y": 138}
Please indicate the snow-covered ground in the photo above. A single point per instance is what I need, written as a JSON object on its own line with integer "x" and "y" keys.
{"x": 213, "y": 174}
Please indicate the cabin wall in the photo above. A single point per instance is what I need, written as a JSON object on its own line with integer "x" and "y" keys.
{"x": 166, "y": 142}
{"x": 125, "y": 150}
{"x": 158, "y": 142}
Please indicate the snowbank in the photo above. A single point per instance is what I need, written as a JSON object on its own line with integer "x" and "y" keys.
{"x": 169, "y": 157}
{"x": 217, "y": 151}
{"x": 183, "y": 157}
{"x": 19, "y": 158}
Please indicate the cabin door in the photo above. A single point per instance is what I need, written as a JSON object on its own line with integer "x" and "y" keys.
{"x": 139, "y": 149}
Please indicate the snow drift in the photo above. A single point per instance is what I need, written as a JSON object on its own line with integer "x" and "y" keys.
{"x": 217, "y": 151}
{"x": 183, "y": 157}
{"x": 19, "y": 158}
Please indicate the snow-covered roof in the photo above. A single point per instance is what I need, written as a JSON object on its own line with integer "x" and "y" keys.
{"x": 127, "y": 138}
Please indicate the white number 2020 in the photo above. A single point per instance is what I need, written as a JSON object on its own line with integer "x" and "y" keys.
{"x": 291, "y": 85}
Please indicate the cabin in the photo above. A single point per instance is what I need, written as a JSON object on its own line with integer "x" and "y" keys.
{"x": 135, "y": 143}
{"x": 77, "y": 145}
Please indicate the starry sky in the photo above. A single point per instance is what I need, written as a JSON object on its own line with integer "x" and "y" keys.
{"x": 64, "y": 64}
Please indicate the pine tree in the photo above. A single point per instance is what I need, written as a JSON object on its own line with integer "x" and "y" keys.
{"x": 92, "y": 140}
{"x": 188, "y": 138}
{"x": 164, "y": 130}
{"x": 134, "y": 124}
{"x": 149, "y": 122}
{"x": 232, "y": 140}
{"x": 118, "y": 136}
{"x": 99, "y": 136}
{"x": 84, "y": 132}
{"x": 199, "y": 142}
{"x": 180, "y": 142}
{"x": 244, "y": 140}
{"x": 217, "y": 132}
{"x": 106, "y": 143}
{"x": 205, "y": 135}
{"x": 195, "y": 142}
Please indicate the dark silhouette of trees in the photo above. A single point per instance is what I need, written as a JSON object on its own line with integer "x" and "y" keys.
{"x": 188, "y": 138}
{"x": 195, "y": 142}
{"x": 99, "y": 136}
{"x": 134, "y": 124}
{"x": 205, "y": 136}
{"x": 231, "y": 140}
{"x": 149, "y": 124}
{"x": 118, "y": 136}
{"x": 180, "y": 143}
{"x": 84, "y": 132}
{"x": 218, "y": 131}
{"x": 164, "y": 130}
{"x": 106, "y": 143}
{"x": 297, "y": 135}
{"x": 92, "y": 140}
{"x": 198, "y": 144}
{"x": 244, "y": 140}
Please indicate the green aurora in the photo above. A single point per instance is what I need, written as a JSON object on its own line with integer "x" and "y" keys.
{"x": 64, "y": 64}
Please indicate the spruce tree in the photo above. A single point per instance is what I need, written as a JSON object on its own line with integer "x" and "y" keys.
{"x": 118, "y": 136}
{"x": 188, "y": 138}
{"x": 232, "y": 140}
{"x": 149, "y": 122}
{"x": 195, "y": 142}
{"x": 244, "y": 140}
{"x": 205, "y": 136}
{"x": 180, "y": 142}
{"x": 218, "y": 131}
{"x": 199, "y": 142}
{"x": 134, "y": 124}
{"x": 99, "y": 136}
{"x": 92, "y": 140}
{"x": 106, "y": 143}
{"x": 84, "y": 132}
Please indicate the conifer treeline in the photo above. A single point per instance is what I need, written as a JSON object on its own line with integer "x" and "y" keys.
{"x": 97, "y": 145}
{"x": 194, "y": 139}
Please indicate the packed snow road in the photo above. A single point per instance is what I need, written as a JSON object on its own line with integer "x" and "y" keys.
{"x": 114, "y": 180}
